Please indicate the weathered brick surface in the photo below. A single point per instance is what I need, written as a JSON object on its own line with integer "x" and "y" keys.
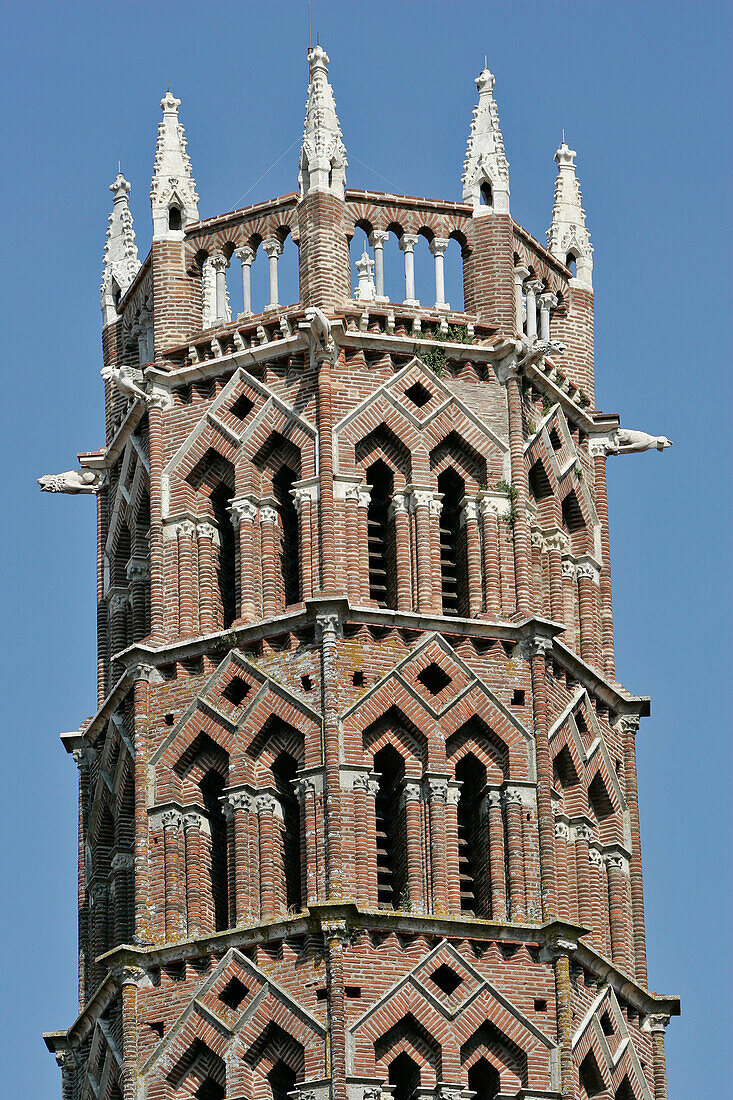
{"x": 327, "y": 829}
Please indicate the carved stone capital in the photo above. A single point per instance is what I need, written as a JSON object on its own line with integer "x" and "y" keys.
{"x": 171, "y": 819}
{"x": 273, "y": 247}
{"x": 378, "y": 237}
{"x": 208, "y": 531}
{"x": 118, "y": 601}
{"x": 242, "y": 509}
{"x": 398, "y": 505}
{"x": 328, "y": 623}
{"x": 595, "y": 857}
{"x": 266, "y": 804}
{"x": 587, "y": 570}
{"x": 237, "y": 801}
{"x": 421, "y": 498}
{"x": 469, "y": 511}
{"x": 192, "y": 819}
{"x": 439, "y": 245}
{"x": 411, "y": 791}
{"x": 513, "y": 796}
{"x": 656, "y": 1021}
{"x": 548, "y": 300}
{"x": 123, "y": 861}
{"x": 438, "y": 789}
{"x": 408, "y": 242}
{"x": 137, "y": 569}
{"x": 536, "y": 647}
{"x": 219, "y": 262}
{"x": 562, "y": 831}
{"x": 628, "y": 724}
{"x": 495, "y": 799}
{"x": 245, "y": 255}
{"x": 568, "y": 568}
{"x": 131, "y": 975}
{"x": 583, "y": 832}
{"x": 268, "y": 514}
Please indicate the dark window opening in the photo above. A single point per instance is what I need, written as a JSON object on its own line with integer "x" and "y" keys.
{"x": 226, "y": 573}
{"x": 358, "y": 678}
{"x": 174, "y": 218}
{"x": 446, "y": 980}
{"x": 434, "y": 678}
{"x": 563, "y": 770}
{"x": 380, "y": 478}
{"x": 306, "y": 683}
{"x": 572, "y": 516}
{"x": 236, "y": 690}
{"x": 210, "y": 1090}
{"x": 242, "y": 407}
{"x": 518, "y": 697}
{"x": 570, "y": 262}
{"x": 233, "y": 993}
{"x": 598, "y": 800}
{"x": 418, "y": 394}
{"x": 555, "y": 440}
{"x": 289, "y": 547}
{"x": 353, "y": 991}
{"x": 484, "y": 1080}
{"x": 391, "y": 840}
{"x": 487, "y": 194}
{"x": 321, "y": 994}
{"x": 158, "y": 1027}
{"x": 625, "y": 1091}
{"x": 606, "y": 1025}
{"x": 170, "y": 719}
{"x": 404, "y": 1077}
{"x": 282, "y": 1080}
{"x": 580, "y": 722}
{"x": 540, "y": 1005}
{"x": 212, "y": 788}
{"x": 284, "y": 771}
{"x": 451, "y": 549}
{"x": 471, "y": 774}
{"x": 539, "y": 483}
{"x": 590, "y": 1075}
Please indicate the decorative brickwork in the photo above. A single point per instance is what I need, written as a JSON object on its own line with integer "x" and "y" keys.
{"x": 358, "y": 809}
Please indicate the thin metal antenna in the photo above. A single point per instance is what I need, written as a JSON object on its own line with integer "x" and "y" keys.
{"x": 486, "y": 62}
{"x": 310, "y": 36}
{"x": 563, "y": 135}
{"x": 119, "y": 168}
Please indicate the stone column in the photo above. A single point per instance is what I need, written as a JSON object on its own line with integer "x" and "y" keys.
{"x": 438, "y": 795}
{"x": 435, "y": 507}
{"x": 246, "y": 256}
{"x": 239, "y": 807}
{"x": 328, "y": 631}
{"x": 407, "y": 245}
{"x": 583, "y": 835}
{"x": 119, "y": 601}
{"x": 490, "y": 556}
{"x": 438, "y": 247}
{"x": 336, "y": 938}
{"x": 364, "y": 501}
{"x": 122, "y": 885}
{"x": 377, "y": 240}
{"x": 557, "y": 543}
{"x": 513, "y": 803}
{"x": 453, "y": 881}
{"x": 560, "y": 954}
{"x": 548, "y": 302}
{"x": 273, "y": 247}
{"x": 304, "y": 508}
{"x": 370, "y": 832}
{"x": 535, "y": 650}
{"x": 532, "y": 289}
{"x": 401, "y": 520}
{"x": 587, "y": 573}
{"x": 266, "y": 809}
{"x": 520, "y": 274}
{"x": 629, "y": 726}
{"x": 598, "y": 893}
{"x": 173, "y": 885}
{"x": 619, "y": 910}
{"x": 469, "y": 520}
{"x": 244, "y": 517}
{"x": 220, "y": 264}
{"x": 138, "y": 575}
{"x": 497, "y": 859}
{"x": 271, "y": 577}
{"x": 537, "y": 543}
{"x": 413, "y": 819}
{"x": 196, "y": 872}
{"x": 656, "y": 1024}
{"x": 420, "y": 500}
{"x": 187, "y": 588}
{"x": 208, "y": 544}
{"x": 562, "y": 839}
{"x": 568, "y": 598}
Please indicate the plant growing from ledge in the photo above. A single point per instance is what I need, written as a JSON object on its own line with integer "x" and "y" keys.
{"x": 435, "y": 359}
{"x": 511, "y": 493}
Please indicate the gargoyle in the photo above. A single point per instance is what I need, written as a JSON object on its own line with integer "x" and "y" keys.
{"x": 72, "y": 481}
{"x": 320, "y": 335}
{"x": 625, "y": 440}
{"x": 124, "y": 379}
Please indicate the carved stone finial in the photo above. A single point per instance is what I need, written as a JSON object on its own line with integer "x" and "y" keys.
{"x": 366, "y": 291}
{"x": 486, "y": 169}
{"x": 121, "y": 263}
{"x": 323, "y": 154}
{"x": 173, "y": 194}
{"x": 568, "y": 237}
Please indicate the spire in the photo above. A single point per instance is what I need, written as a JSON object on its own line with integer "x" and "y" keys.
{"x": 567, "y": 237}
{"x": 323, "y": 155}
{"x": 173, "y": 190}
{"x": 486, "y": 169}
{"x": 121, "y": 264}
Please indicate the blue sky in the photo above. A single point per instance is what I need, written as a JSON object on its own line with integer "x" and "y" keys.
{"x": 641, "y": 90}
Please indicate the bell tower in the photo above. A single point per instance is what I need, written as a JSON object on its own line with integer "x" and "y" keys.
{"x": 358, "y": 809}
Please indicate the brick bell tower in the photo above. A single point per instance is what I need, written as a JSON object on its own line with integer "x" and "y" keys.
{"x": 358, "y": 815}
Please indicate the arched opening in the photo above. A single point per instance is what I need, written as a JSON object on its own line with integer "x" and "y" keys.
{"x": 571, "y": 262}
{"x": 599, "y": 802}
{"x": 379, "y": 534}
{"x": 284, "y": 772}
{"x": 282, "y": 485}
{"x": 471, "y": 837}
{"x": 210, "y": 1090}
{"x": 486, "y": 194}
{"x": 391, "y": 835}
{"x": 484, "y": 1080}
{"x": 453, "y": 273}
{"x": 452, "y": 553}
{"x": 288, "y": 275}
{"x": 591, "y": 1082}
{"x": 404, "y": 1077}
{"x": 175, "y": 220}
{"x": 226, "y": 572}
{"x": 212, "y": 788}
{"x": 282, "y": 1080}
{"x": 358, "y": 245}
{"x": 624, "y": 1091}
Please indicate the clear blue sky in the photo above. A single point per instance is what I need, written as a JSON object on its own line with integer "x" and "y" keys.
{"x": 641, "y": 89}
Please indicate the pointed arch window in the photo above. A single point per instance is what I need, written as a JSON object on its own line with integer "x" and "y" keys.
{"x": 381, "y": 535}
{"x": 284, "y": 772}
{"x": 471, "y": 774}
{"x": 486, "y": 194}
{"x": 226, "y": 572}
{"x": 282, "y": 486}
{"x": 391, "y": 828}
{"x": 453, "y": 579}
{"x": 212, "y": 788}
{"x": 175, "y": 219}
{"x": 484, "y": 1080}
{"x": 404, "y": 1077}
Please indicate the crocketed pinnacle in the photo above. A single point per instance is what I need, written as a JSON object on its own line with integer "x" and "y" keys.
{"x": 486, "y": 169}
{"x": 323, "y": 154}
{"x": 568, "y": 237}
{"x": 121, "y": 263}
{"x": 173, "y": 194}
